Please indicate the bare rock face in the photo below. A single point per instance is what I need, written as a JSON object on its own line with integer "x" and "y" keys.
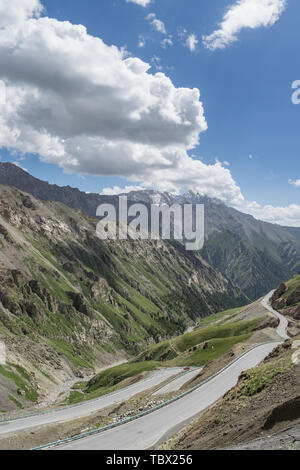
{"x": 294, "y": 312}
{"x": 294, "y": 297}
{"x": 36, "y": 287}
{"x": 279, "y": 304}
{"x": 9, "y": 303}
{"x": 33, "y": 311}
{"x": 269, "y": 322}
{"x": 5, "y": 234}
{"x": 28, "y": 203}
{"x": 70, "y": 267}
{"x": 79, "y": 304}
{"x": 17, "y": 277}
{"x": 279, "y": 292}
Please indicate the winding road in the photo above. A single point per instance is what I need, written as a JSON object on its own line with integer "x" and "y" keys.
{"x": 156, "y": 427}
{"x": 88, "y": 407}
{"x": 177, "y": 383}
{"x": 147, "y": 431}
{"x": 283, "y": 324}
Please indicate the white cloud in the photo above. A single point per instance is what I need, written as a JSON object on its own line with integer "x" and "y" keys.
{"x": 118, "y": 119}
{"x": 288, "y": 216}
{"x": 157, "y": 24}
{"x": 143, "y": 3}
{"x": 18, "y": 11}
{"x": 188, "y": 40}
{"x": 295, "y": 183}
{"x": 191, "y": 42}
{"x": 166, "y": 42}
{"x": 117, "y": 190}
{"x": 244, "y": 14}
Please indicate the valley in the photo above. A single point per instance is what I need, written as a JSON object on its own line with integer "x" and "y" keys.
{"x": 97, "y": 332}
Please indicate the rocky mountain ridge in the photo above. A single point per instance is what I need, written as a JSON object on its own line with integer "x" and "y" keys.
{"x": 255, "y": 255}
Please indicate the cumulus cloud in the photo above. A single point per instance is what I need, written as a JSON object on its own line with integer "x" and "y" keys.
{"x": 18, "y": 11}
{"x": 143, "y": 3}
{"x": 117, "y": 119}
{"x": 93, "y": 109}
{"x": 52, "y": 99}
{"x": 244, "y": 14}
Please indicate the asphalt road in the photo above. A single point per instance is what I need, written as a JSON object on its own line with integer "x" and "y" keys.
{"x": 282, "y": 327}
{"x": 88, "y": 407}
{"x": 178, "y": 383}
{"x": 149, "y": 430}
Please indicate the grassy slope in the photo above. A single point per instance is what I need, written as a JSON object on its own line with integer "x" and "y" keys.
{"x": 184, "y": 350}
{"x": 256, "y": 267}
{"x": 200, "y": 346}
{"x": 292, "y": 285}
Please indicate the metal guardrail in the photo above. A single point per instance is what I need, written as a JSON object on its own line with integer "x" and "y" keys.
{"x": 76, "y": 405}
{"x": 182, "y": 374}
{"x": 152, "y": 410}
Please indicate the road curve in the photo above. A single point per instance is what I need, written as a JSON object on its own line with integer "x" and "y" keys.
{"x": 88, "y": 407}
{"x": 149, "y": 430}
{"x": 176, "y": 384}
{"x": 283, "y": 324}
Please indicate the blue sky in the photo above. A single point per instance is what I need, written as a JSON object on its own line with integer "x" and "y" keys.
{"x": 245, "y": 90}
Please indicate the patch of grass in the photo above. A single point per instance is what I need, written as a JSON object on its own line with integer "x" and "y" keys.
{"x": 174, "y": 349}
{"x": 110, "y": 380}
{"x": 15, "y": 401}
{"x": 221, "y": 316}
{"x": 255, "y": 380}
{"x": 215, "y": 348}
{"x": 117, "y": 375}
{"x": 77, "y": 358}
{"x": 75, "y": 397}
{"x": 23, "y": 373}
{"x": 20, "y": 382}
{"x": 79, "y": 386}
{"x": 292, "y": 285}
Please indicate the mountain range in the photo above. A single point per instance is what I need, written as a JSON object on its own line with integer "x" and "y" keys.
{"x": 70, "y": 302}
{"x": 255, "y": 255}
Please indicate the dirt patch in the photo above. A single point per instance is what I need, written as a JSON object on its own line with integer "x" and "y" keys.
{"x": 288, "y": 411}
